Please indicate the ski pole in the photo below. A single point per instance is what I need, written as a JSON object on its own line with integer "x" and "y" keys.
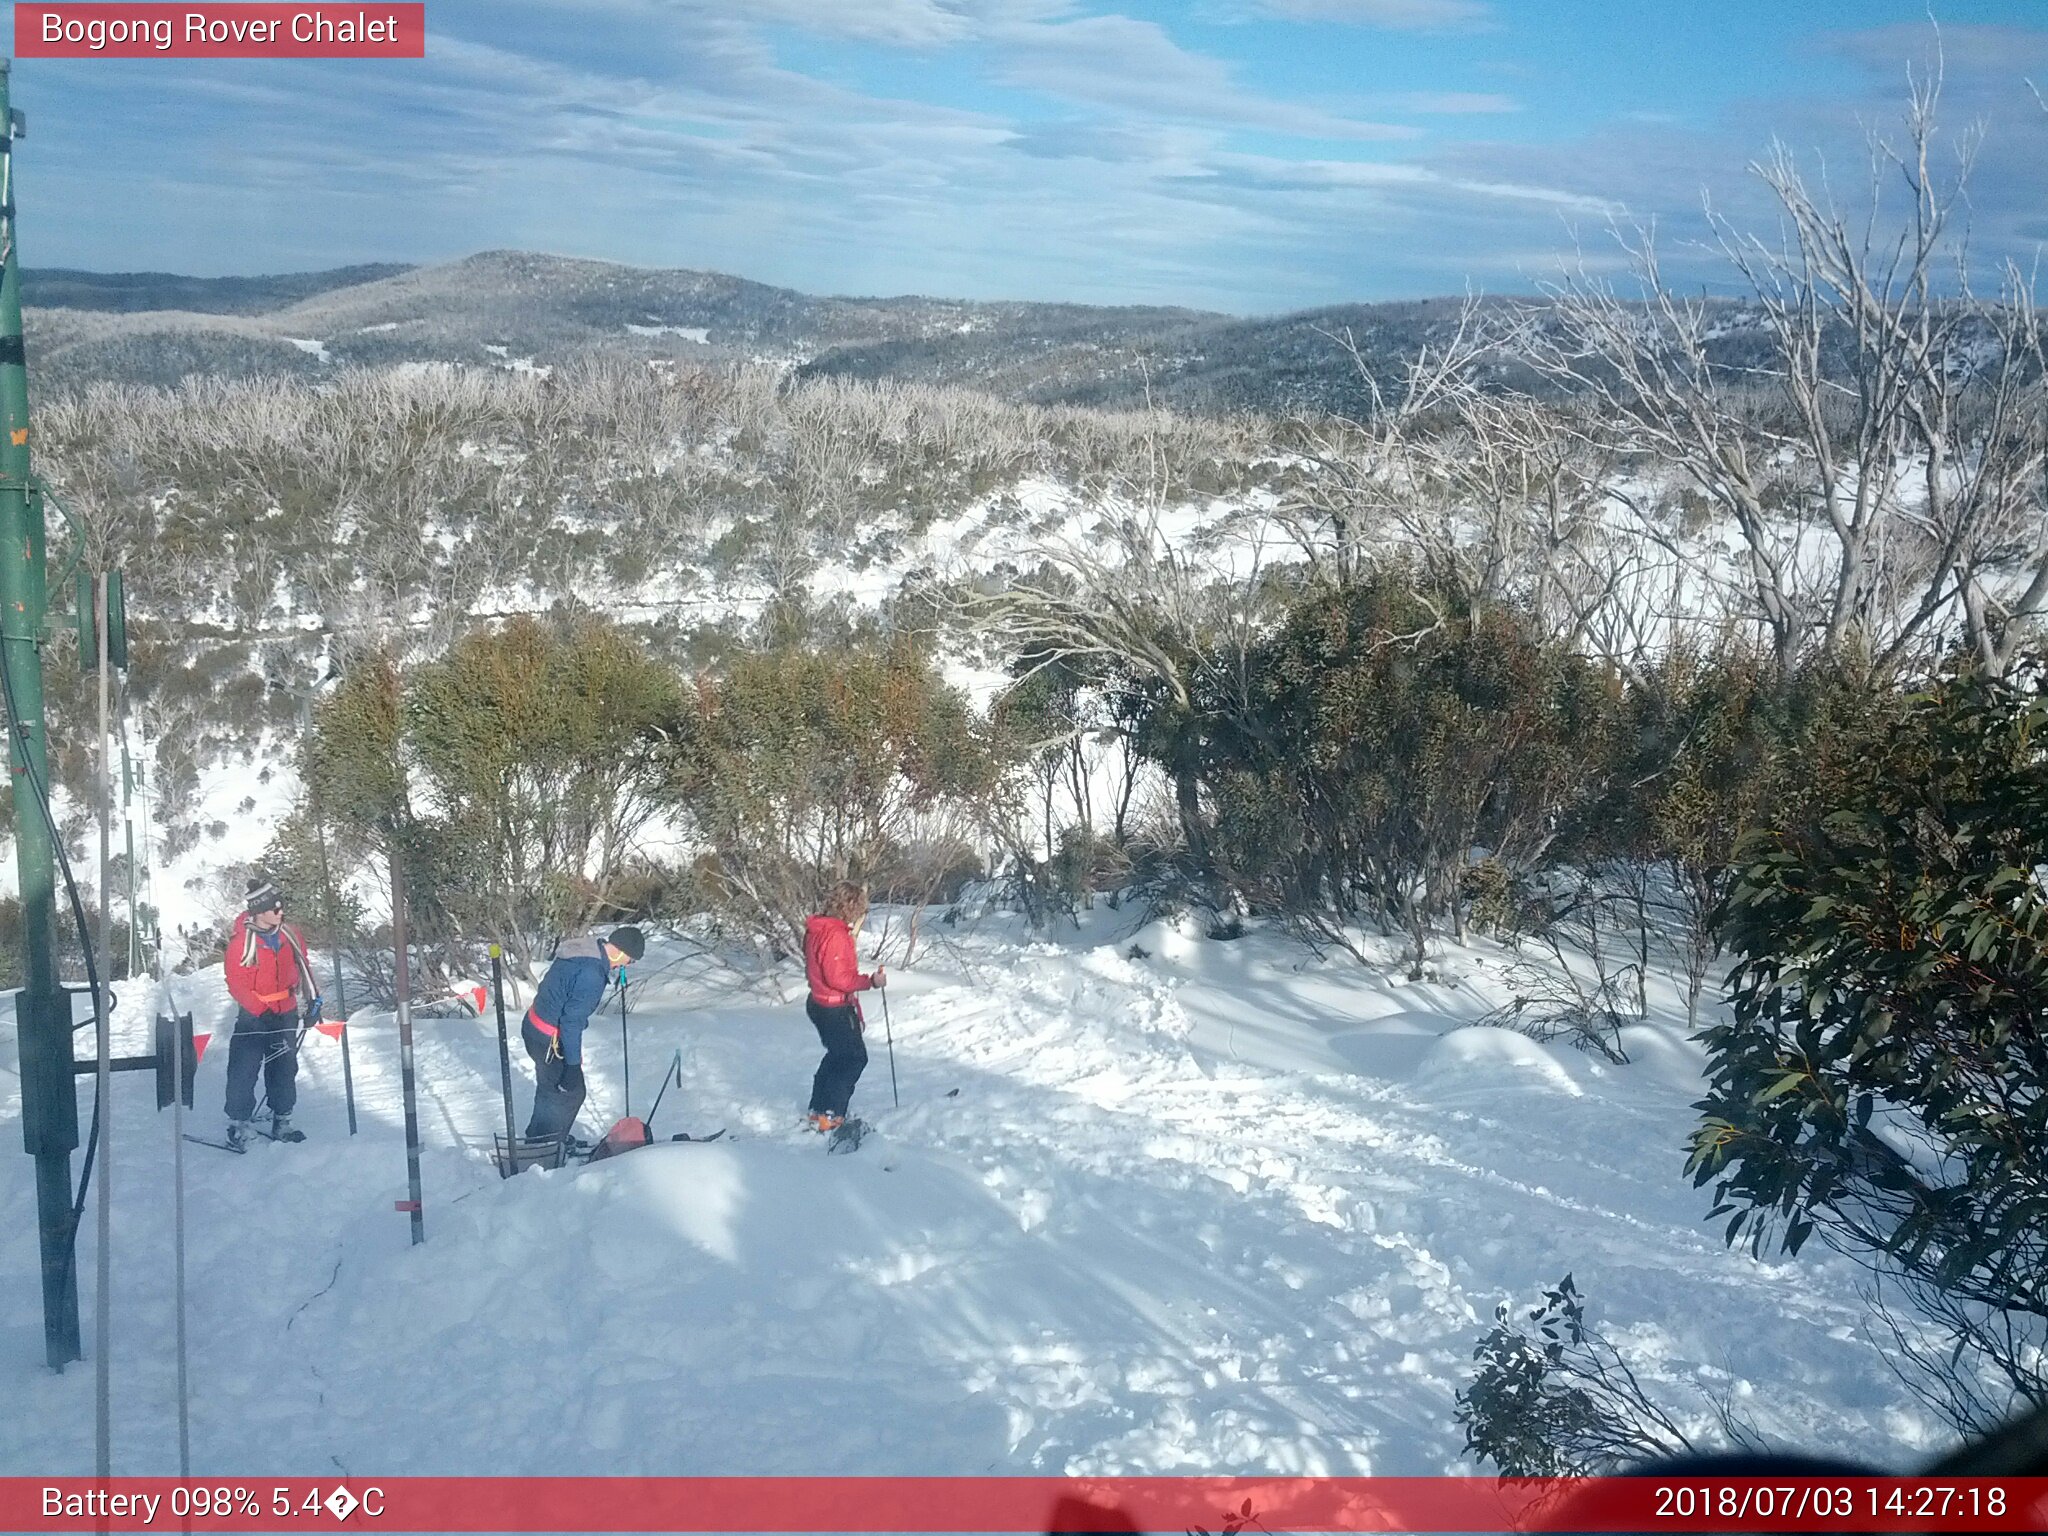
{"x": 889, "y": 1034}
{"x": 675, "y": 1072}
{"x": 504, "y": 1049}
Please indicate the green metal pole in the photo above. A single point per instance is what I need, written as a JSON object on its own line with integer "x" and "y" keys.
{"x": 49, "y": 1102}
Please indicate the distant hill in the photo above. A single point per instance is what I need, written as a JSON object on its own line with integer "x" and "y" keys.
{"x": 509, "y": 308}
{"x": 517, "y": 309}
{"x": 1193, "y": 361}
{"x": 131, "y": 292}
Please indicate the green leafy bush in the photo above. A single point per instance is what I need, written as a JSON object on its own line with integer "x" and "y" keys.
{"x": 795, "y": 768}
{"x": 1883, "y": 1080}
{"x": 1555, "y": 1399}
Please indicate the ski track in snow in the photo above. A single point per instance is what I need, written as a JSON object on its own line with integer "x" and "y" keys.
{"x": 1210, "y": 1211}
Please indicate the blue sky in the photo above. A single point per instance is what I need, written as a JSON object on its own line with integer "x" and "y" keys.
{"x": 1247, "y": 155}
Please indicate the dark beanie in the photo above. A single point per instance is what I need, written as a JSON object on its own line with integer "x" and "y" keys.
{"x": 263, "y": 895}
{"x": 630, "y": 942}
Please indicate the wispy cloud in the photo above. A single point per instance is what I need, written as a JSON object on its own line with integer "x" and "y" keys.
{"x": 1123, "y": 63}
{"x": 1451, "y": 103}
{"x": 1416, "y": 15}
{"x": 902, "y": 23}
{"x": 1272, "y": 173}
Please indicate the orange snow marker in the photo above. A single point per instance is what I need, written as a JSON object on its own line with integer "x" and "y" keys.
{"x": 331, "y": 1028}
{"x": 199, "y": 1047}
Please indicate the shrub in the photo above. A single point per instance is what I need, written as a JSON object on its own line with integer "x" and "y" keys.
{"x": 1884, "y": 1078}
{"x": 1390, "y": 732}
{"x": 796, "y": 768}
{"x": 1555, "y": 1399}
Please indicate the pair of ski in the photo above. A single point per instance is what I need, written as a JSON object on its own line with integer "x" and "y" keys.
{"x": 582, "y": 1151}
{"x": 228, "y": 1146}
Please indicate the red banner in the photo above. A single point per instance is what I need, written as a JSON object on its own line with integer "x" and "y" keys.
{"x": 235, "y": 31}
{"x": 1225, "y": 1506}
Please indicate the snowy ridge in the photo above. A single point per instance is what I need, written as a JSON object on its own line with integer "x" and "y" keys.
{"x": 1217, "y": 1209}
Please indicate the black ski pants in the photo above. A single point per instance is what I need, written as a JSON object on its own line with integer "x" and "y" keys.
{"x": 265, "y": 1045}
{"x": 554, "y": 1107}
{"x": 846, "y": 1056}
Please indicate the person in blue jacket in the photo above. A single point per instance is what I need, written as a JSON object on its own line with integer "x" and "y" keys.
{"x": 553, "y": 1028}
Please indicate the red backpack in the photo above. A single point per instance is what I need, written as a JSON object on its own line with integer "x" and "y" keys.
{"x": 624, "y": 1136}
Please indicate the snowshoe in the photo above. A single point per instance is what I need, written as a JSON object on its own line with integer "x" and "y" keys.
{"x": 848, "y": 1136}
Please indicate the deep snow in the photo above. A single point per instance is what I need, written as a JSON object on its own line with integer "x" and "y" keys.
{"x": 1223, "y": 1208}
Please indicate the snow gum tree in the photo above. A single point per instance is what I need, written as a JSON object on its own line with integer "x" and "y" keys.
{"x": 1881, "y": 459}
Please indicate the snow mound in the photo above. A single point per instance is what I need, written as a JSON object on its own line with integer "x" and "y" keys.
{"x": 1663, "y": 1051}
{"x": 1175, "y": 939}
{"x": 1480, "y": 1058}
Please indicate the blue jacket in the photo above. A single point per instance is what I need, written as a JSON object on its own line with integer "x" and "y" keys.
{"x": 570, "y": 992}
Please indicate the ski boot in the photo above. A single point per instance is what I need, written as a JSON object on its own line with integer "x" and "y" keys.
{"x": 238, "y": 1135}
{"x": 824, "y": 1125}
{"x": 281, "y": 1129}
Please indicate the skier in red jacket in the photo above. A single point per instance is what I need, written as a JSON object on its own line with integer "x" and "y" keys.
{"x": 267, "y": 970}
{"x": 830, "y": 965}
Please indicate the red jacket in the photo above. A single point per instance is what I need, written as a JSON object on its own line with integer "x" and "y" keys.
{"x": 265, "y": 979}
{"x": 829, "y": 962}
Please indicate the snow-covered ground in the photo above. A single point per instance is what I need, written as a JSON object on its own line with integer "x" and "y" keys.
{"x": 1152, "y": 1203}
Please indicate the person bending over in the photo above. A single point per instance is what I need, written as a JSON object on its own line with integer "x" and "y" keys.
{"x": 552, "y": 1030}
